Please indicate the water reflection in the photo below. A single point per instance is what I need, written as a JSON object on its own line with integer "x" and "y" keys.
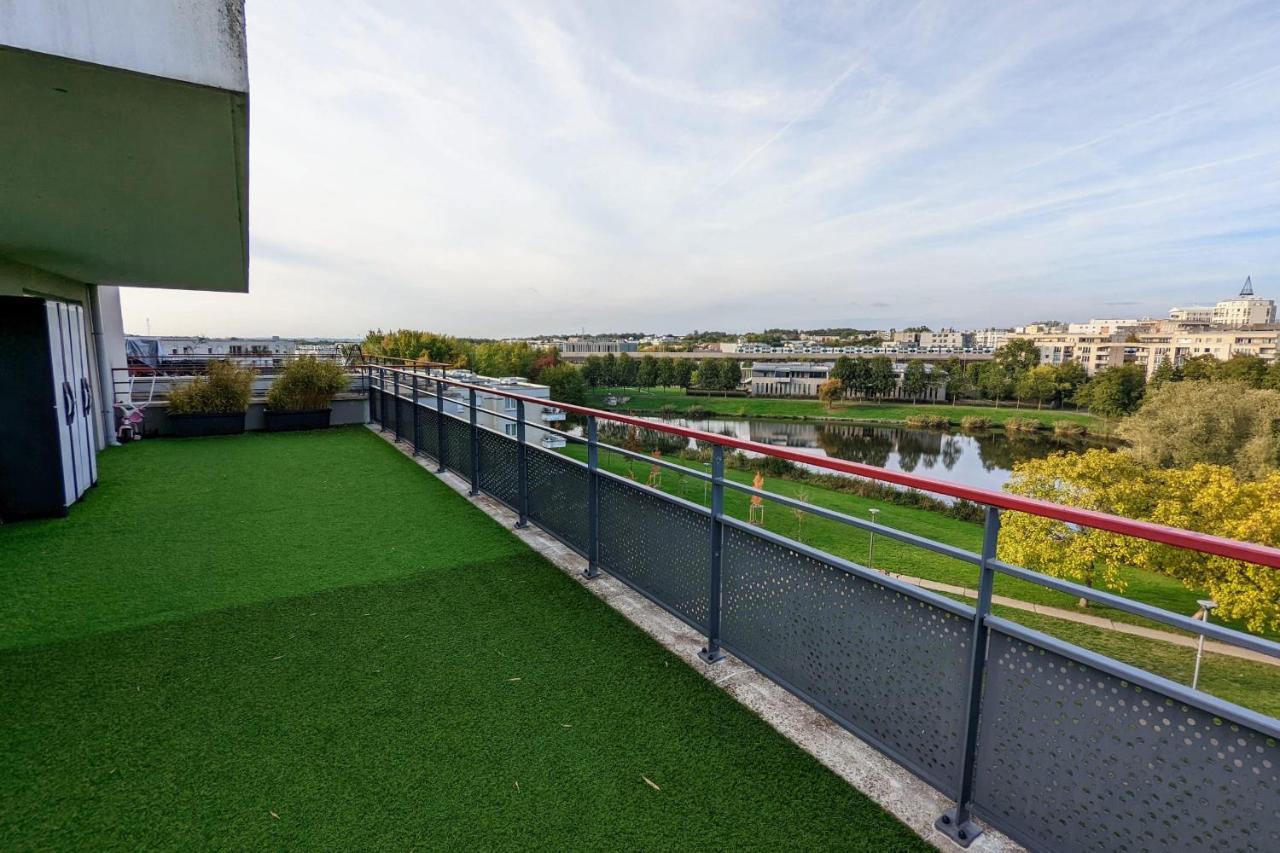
{"x": 974, "y": 459}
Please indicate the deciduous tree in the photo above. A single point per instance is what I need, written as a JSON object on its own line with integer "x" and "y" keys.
{"x": 1206, "y": 498}
{"x": 1115, "y": 391}
{"x": 830, "y": 392}
{"x": 1040, "y": 383}
{"x": 1219, "y": 423}
{"x": 566, "y": 382}
{"x": 881, "y": 377}
{"x": 1248, "y": 369}
{"x": 731, "y": 375}
{"x": 915, "y": 379}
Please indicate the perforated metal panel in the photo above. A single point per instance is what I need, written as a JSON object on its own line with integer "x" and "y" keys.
{"x": 404, "y": 417}
{"x": 658, "y": 546}
{"x": 1073, "y": 758}
{"x": 428, "y": 438}
{"x": 499, "y": 472}
{"x": 388, "y": 410}
{"x": 558, "y": 496}
{"x": 886, "y": 664}
{"x": 375, "y": 405}
{"x": 457, "y": 445}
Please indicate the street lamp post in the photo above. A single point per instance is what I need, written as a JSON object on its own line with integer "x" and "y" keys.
{"x": 1206, "y": 606}
{"x": 871, "y": 542}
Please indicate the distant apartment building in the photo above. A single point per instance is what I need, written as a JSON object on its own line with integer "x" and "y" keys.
{"x": 991, "y": 339}
{"x": 803, "y": 378}
{"x": 943, "y": 339}
{"x": 660, "y": 340}
{"x": 177, "y": 347}
{"x": 786, "y": 378}
{"x": 253, "y": 352}
{"x": 1175, "y": 344}
{"x": 497, "y": 413}
{"x": 1244, "y": 311}
{"x": 1093, "y": 352}
{"x": 1198, "y": 314}
{"x": 1103, "y": 327}
{"x": 589, "y": 347}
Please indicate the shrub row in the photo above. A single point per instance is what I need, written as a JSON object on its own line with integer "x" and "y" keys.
{"x": 306, "y": 384}
{"x": 929, "y": 421}
{"x": 782, "y": 469}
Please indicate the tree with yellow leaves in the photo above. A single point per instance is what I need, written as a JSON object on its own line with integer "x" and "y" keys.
{"x": 1206, "y": 498}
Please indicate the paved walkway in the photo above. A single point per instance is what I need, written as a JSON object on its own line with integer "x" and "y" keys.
{"x": 1215, "y": 646}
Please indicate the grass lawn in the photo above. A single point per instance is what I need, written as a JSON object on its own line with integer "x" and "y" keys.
{"x": 1247, "y": 683}
{"x": 304, "y": 641}
{"x": 651, "y": 401}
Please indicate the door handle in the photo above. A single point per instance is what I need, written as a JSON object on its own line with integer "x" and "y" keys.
{"x": 86, "y": 395}
{"x": 69, "y": 400}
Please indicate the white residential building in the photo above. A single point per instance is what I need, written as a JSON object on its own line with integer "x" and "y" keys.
{"x": 1102, "y": 327}
{"x": 1244, "y": 311}
{"x": 1198, "y": 314}
{"x": 803, "y": 378}
{"x": 498, "y": 413}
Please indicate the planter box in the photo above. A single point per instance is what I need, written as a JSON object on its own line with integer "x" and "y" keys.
{"x": 188, "y": 426}
{"x": 311, "y": 419}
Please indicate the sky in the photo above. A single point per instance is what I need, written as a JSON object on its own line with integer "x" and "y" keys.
{"x": 494, "y": 168}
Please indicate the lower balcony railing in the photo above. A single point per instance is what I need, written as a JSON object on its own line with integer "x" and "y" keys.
{"x": 1057, "y": 746}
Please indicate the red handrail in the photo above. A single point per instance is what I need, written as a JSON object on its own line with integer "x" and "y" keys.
{"x": 1201, "y": 542}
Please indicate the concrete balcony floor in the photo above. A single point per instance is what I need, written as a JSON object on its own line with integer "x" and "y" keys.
{"x": 304, "y": 640}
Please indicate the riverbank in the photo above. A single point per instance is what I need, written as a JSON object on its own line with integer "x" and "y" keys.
{"x": 1251, "y": 684}
{"x": 675, "y": 402}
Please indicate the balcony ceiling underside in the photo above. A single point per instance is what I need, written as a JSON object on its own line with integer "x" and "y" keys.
{"x": 113, "y": 177}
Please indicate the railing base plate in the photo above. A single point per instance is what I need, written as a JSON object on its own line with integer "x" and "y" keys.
{"x": 961, "y": 833}
{"x": 711, "y": 656}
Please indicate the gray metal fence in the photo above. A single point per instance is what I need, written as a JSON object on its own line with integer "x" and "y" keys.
{"x": 1057, "y": 746}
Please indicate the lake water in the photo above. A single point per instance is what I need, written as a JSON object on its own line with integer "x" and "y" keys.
{"x": 981, "y": 459}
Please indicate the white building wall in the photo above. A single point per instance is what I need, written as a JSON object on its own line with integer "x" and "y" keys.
{"x": 197, "y": 41}
{"x": 1246, "y": 311}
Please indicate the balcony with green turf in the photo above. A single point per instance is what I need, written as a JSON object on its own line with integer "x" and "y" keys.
{"x": 305, "y": 641}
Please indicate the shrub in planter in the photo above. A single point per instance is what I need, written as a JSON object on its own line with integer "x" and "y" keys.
{"x": 213, "y": 404}
{"x": 300, "y": 398}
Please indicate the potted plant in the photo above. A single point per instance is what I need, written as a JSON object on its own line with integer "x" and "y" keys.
{"x": 300, "y": 398}
{"x": 213, "y": 404}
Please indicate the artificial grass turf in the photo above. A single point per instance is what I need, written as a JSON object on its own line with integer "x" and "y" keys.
{"x": 178, "y": 527}
{"x": 342, "y": 694}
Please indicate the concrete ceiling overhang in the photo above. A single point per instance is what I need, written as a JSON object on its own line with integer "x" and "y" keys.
{"x": 112, "y": 176}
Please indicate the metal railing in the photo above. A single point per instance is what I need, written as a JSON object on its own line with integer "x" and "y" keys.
{"x": 1057, "y": 746}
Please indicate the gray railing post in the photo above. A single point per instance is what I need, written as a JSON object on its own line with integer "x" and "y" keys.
{"x": 395, "y": 400}
{"x": 522, "y": 469}
{"x": 440, "y": 427}
{"x": 368, "y": 389}
{"x": 956, "y": 823}
{"x": 382, "y": 403}
{"x": 712, "y": 652}
{"x": 415, "y": 414}
{"x": 475, "y": 447}
{"x": 593, "y": 500}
